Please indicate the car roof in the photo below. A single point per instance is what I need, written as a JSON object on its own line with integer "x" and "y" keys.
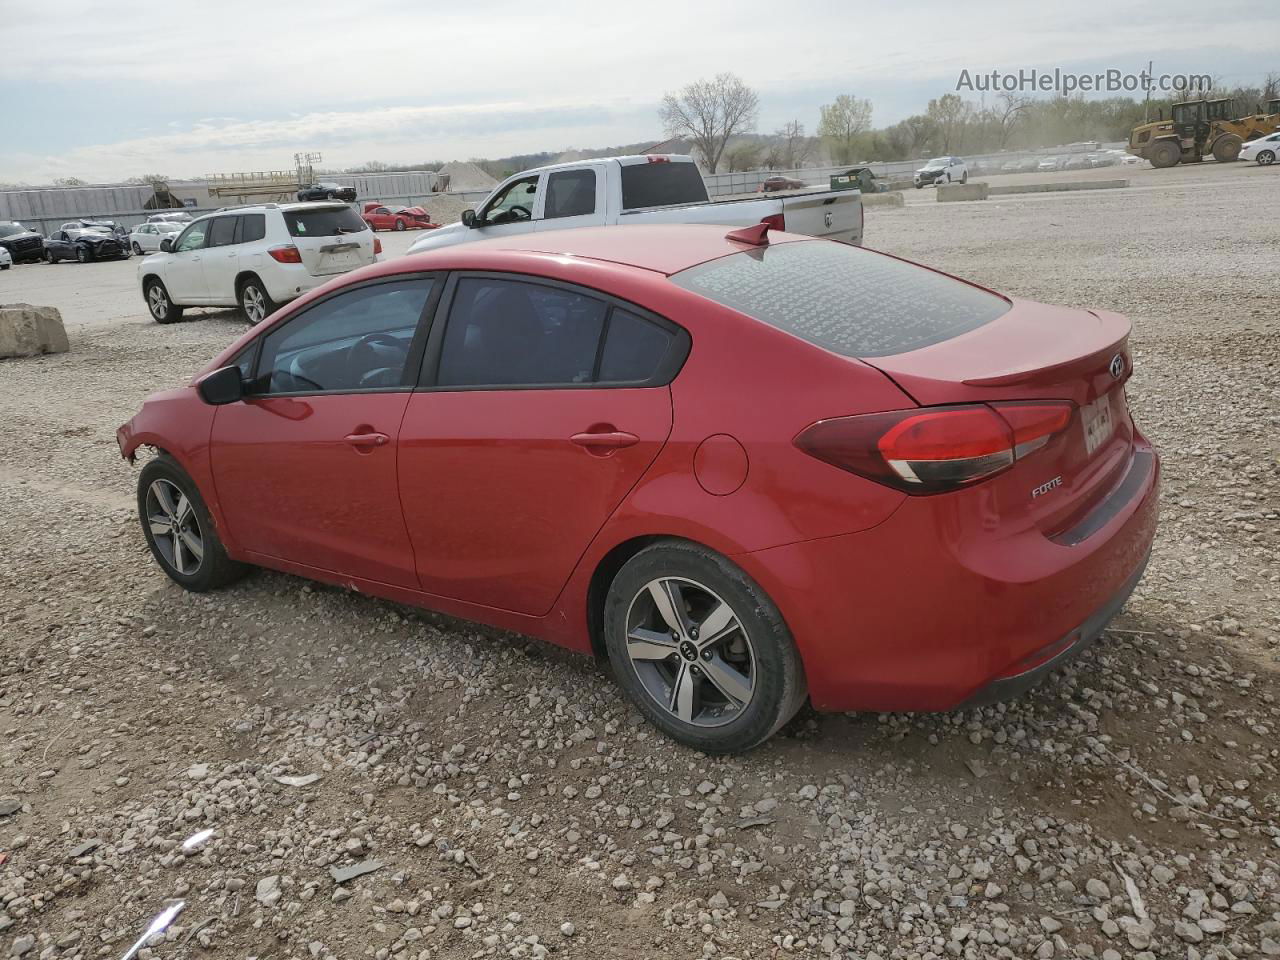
{"x": 662, "y": 248}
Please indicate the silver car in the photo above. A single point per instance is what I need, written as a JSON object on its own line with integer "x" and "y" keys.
{"x": 146, "y": 237}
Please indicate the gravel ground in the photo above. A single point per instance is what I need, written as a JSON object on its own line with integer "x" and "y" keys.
{"x": 507, "y": 802}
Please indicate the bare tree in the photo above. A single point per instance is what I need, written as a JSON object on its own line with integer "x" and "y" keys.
{"x": 1271, "y": 86}
{"x": 794, "y": 148}
{"x": 68, "y": 182}
{"x": 1007, "y": 114}
{"x": 842, "y": 123}
{"x": 709, "y": 112}
{"x": 952, "y": 115}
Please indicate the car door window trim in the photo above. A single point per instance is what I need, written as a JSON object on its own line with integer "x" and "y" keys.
{"x": 664, "y": 373}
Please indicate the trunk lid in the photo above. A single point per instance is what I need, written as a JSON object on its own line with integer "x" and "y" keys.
{"x": 835, "y": 215}
{"x": 331, "y": 238}
{"x": 1039, "y": 352}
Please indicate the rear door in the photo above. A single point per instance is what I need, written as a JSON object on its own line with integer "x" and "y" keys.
{"x": 221, "y": 261}
{"x": 834, "y": 216}
{"x": 184, "y": 271}
{"x": 572, "y": 198}
{"x": 527, "y": 433}
{"x": 331, "y": 238}
{"x": 305, "y": 465}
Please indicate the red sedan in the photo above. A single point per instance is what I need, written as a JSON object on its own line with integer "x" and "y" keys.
{"x": 380, "y": 217}
{"x": 749, "y": 469}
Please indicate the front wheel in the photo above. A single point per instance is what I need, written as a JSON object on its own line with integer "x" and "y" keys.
{"x": 163, "y": 309}
{"x": 1266, "y": 158}
{"x": 82, "y": 254}
{"x": 49, "y": 257}
{"x": 179, "y": 529}
{"x": 700, "y": 648}
{"x": 399, "y": 224}
{"x": 964, "y": 177}
{"x": 255, "y": 301}
{"x": 136, "y": 248}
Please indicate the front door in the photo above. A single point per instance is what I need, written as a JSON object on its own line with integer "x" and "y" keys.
{"x": 527, "y": 435}
{"x": 305, "y": 466}
{"x": 184, "y": 273}
{"x": 511, "y": 210}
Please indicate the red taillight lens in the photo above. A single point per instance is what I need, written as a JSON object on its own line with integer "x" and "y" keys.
{"x": 377, "y": 246}
{"x": 776, "y": 221}
{"x": 285, "y": 254}
{"x": 935, "y": 449}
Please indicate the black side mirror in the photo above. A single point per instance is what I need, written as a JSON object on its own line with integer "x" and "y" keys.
{"x": 166, "y": 245}
{"x": 469, "y": 219}
{"x": 221, "y": 386}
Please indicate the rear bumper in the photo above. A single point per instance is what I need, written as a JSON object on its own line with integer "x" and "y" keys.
{"x": 939, "y": 605}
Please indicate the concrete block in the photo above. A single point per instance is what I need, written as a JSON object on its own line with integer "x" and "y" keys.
{"x": 1054, "y": 186}
{"x": 962, "y": 191}
{"x": 27, "y": 331}
{"x": 893, "y": 198}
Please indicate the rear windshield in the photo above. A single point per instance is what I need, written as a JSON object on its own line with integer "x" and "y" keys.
{"x": 850, "y": 301}
{"x": 661, "y": 184}
{"x": 323, "y": 223}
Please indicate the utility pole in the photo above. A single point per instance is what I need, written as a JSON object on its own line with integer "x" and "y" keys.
{"x": 1146, "y": 107}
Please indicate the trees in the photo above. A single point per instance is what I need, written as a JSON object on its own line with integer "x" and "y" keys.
{"x": 841, "y": 124}
{"x": 709, "y": 112}
{"x": 794, "y": 149}
{"x": 951, "y": 115}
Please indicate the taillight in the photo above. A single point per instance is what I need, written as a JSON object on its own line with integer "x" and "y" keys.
{"x": 377, "y": 246}
{"x": 776, "y": 221}
{"x": 285, "y": 254}
{"x": 936, "y": 449}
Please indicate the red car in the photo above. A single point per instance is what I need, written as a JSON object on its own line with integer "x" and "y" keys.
{"x": 749, "y": 469}
{"x": 380, "y": 217}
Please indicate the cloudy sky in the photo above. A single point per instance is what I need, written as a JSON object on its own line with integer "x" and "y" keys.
{"x": 107, "y": 90}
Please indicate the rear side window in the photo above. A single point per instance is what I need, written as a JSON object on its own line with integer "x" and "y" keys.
{"x": 661, "y": 184}
{"x": 253, "y": 226}
{"x": 328, "y": 222}
{"x": 223, "y": 232}
{"x": 848, "y": 300}
{"x": 570, "y": 194}
{"x": 634, "y": 348}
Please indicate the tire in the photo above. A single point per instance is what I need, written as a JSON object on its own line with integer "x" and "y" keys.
{"x": 255, "y": 302}
{"x": 1164, "y": 154}
{"x": 399, "y": 224}
{"x": 331, "y": 195}
{"x": 168, "y": 497}
{"x": 136, "y": 248}
{"x": 1227, "y": 148}
{"x": 82, "y": 255}
{"x": 159, "y": 303}
{"x": 5, "y": 266}
{"x": 49, "y": 257}
{"x": 964, "y": 177}
{"x": 919, "y": 186}
{"x": 757, "y": 683}
{"x": 1266, "y": 157}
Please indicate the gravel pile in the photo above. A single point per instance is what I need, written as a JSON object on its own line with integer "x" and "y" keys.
{"x": 385, "y": 783}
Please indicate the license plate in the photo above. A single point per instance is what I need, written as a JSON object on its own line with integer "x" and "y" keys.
{"x": 339, "y": 261}
{"x": 1099, "y": 423}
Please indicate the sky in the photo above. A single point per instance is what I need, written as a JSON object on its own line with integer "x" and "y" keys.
{"x": 104, "y": 90}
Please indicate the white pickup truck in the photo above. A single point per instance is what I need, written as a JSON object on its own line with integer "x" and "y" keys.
{"x": 641, "y": 189}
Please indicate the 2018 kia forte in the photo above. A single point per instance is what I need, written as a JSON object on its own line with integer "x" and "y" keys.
{"x": 747, "y": 468}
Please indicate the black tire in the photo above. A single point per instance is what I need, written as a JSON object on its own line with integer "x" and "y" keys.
{"x": 255, "y": 303}
{"x": 919, "y": 186}
{"x": 82, "y": 254}
{"x": 5, "y": 266}
{"x": 49, "y": 257}
{"x": 331, "y": 195}
{"x": 159, "y": 303}
{"x": 212, "y": 567}
{"x": 399, "y": 224}
{"x": 1266, "y": 157}
{"x": 1227, "y": 148}
{"x": 136, "y": 248}
{"x": 761, "y": 642}
{"x": 1163, "y": 154}
{"x": 964, "y": 177}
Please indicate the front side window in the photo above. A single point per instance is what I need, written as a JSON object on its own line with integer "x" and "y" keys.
{"x": 223, "y": 232}
{"x": 571, "y": 193}
{"x": 512, "y": 333}
{"x": 357, "y": 340}
{"x": 514, "y": 203}
{"x": 192, "y": 238}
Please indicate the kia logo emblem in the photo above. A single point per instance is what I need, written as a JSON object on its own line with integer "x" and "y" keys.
{"x": 1117, "y": 366}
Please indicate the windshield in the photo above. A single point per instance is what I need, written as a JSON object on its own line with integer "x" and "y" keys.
{"x": 935, "y": 163}
{"x": 9, "y": 229}
{"x": 851, "y": 301}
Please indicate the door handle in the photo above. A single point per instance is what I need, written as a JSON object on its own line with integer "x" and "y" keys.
{"x": 612, "y": 440}
{"x": 367, "y": 440}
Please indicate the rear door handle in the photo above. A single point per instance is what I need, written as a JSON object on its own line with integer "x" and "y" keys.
{"x": 612, "y": 440}
{"x": 364, "y": 440}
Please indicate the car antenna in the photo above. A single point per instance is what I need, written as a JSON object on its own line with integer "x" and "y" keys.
{"x": 757, "y": 235}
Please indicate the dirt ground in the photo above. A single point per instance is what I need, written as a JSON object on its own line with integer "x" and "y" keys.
{"x": 511, "y": 803}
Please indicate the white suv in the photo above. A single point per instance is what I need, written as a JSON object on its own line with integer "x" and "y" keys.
{"x": 942, "y": 170}
{"x": 256, "y": 257}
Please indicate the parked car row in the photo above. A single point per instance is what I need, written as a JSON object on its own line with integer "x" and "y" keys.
{"x": 85, "y": 240}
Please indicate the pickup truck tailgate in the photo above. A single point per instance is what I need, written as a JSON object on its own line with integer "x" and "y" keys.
{"x": 835, "y": 216}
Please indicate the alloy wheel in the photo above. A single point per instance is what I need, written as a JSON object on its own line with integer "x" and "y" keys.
{"x": 174, "y": 526}
{"x": 158, "y": 302}
{"x": 690, "y": 652}
{"x": 254, "y": 303}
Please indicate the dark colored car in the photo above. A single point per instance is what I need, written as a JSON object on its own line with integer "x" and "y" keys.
{"x": 772, "y": 184}
{"x": 935, "y": 496}
{"x": 24, "y": 245}
{"x": 1077, "y": 162}
{"x": 84, "y": 240}
{"x": 327, "y": 191}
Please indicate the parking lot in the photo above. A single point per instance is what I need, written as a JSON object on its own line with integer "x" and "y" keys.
{"x": 515, "y": 805}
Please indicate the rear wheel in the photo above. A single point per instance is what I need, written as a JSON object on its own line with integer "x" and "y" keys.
{"x": 82, "y": 254}
{"x": 49, "y": 257}
{"x": 1266, "y": 157}
{"x": 255, "y": 301}
{"x": 964, "y": 177}
{"x": 179, "y": 530}
{"x": 701, "y": 649}
{"x": 163, "y": 309}
{"x": 1227, "y": 148}
{"x": 399, "y": 224}
{"x": 1164, "y": 154}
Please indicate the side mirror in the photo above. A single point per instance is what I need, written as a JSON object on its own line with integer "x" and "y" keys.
{"x": 468, "y": 218}
{"x": 167, "y": 245}
{"x": 222, "y": 386}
